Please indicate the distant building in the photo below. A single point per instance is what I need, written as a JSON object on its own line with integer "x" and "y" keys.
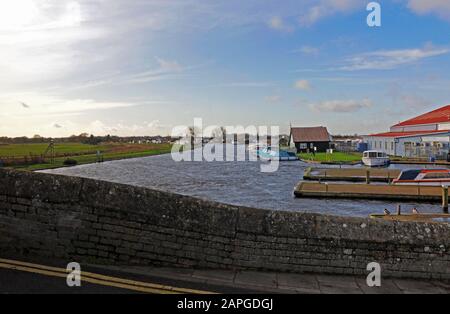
{"x": 425, "y": 136}
{"x": 310, "y": 139}
{"x": 343, "y": 144}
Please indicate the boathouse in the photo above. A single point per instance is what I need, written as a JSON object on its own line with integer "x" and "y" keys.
{"x": 425, "y": 136}
{"x": 310, "y": 139}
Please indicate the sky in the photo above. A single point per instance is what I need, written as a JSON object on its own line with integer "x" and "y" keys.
{"x": 142, "y": 67}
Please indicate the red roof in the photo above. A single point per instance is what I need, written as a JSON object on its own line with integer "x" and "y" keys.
{"x": 313, "y": 134}
{"x": 403, "y": 134}
{"x": 437, "y": 116}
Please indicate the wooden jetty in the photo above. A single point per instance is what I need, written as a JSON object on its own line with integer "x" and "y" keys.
{"x": 351, "y": 174}
{"x": 430, "y": 218}
{"x": 420, "y": 162}
{"x": 373, "y": 192}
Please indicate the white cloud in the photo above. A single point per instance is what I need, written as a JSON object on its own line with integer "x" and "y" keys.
{"x": 43, "y": 105}
{"x": 408, "y": 99}
{"x": 277, "y": 23}
{"x": 308, "y": 50}
{"x": 389, "y": 59}
{"x": 325, "y": 8}
{"x": 165, "y": 69}
{"x": 439, "y": 7}
{"x": 169, "y": 65}
{"x": 302, "y": 85}
{"x": 246, "y": 84}
{"x": 273, "y": 99}
{"x": 341, "y": 106}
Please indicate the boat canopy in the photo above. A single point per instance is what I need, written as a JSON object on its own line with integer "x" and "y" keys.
{"x": 374, "y": 154}
{"x": 409, "y": 175}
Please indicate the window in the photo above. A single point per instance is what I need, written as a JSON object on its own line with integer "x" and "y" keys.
{"x": 437, "y": 175}
{"x": 392, "y": 146}
{"x": 303, "y": 146}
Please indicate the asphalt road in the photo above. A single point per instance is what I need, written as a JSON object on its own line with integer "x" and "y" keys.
{"x": 18, "y": 282}
{"x": 49, "y": 277}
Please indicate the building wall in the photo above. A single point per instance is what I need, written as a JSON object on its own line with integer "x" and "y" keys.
{"x": 444, "y": 126}
{"x": 91, "y": 221}
{"x": 384, "y": 144}
{"x": 409, "y": 146}
{"x": 412, "y": 128}
{"x": 436, "y": 146}
{"x": 303, "y": 147}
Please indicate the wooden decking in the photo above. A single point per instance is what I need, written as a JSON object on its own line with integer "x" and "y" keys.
{"x": 430, "y": 218}
{"x": 366, "y": 191}
{"x": 351, "y": 174}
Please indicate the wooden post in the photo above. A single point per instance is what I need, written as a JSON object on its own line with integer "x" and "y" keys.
{"x": 368, "y": 177}
{"x": 445, "y": 198}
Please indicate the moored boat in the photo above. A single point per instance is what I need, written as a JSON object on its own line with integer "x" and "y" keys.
{"x": 436, "y": 177}
{"x": 267, "y": 153}
{"x": 373, "y": 158}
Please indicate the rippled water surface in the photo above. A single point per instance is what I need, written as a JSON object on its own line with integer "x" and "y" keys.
{"x": 240, "y": 183}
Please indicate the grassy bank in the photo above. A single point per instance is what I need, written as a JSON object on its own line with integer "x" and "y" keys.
{"x": 20, "y": 150}
{"x": 82, "y": 153}
{"x": 336, "y": 157}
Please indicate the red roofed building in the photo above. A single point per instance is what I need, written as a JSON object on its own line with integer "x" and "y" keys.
{"x": 427, "y": 135}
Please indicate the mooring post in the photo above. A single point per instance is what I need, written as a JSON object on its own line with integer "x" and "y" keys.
{"x": 368, "y": 177}
{"x": 399, "y": 209}
{"x": 445, "y": 198}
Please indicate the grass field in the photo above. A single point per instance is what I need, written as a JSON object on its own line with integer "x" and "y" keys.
{"x": 335, "y": 157}
{"x": 19, "y": 150}
{"x": 82, "y": 153}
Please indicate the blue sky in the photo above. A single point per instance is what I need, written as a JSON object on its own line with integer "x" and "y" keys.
{"x": 142, "y": 67}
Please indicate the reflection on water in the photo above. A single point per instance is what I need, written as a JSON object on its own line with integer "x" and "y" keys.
{"x": 239, "y": 183}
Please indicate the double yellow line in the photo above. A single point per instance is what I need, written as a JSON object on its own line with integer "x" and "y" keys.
{"x": 98, "y": 279}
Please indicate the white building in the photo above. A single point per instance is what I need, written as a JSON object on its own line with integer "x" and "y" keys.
{"x": 427, "y": 135}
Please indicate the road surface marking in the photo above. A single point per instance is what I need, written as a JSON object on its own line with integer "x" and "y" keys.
{"x": 139, "y": 286}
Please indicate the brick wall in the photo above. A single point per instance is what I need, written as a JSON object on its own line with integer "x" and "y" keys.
{"x": 92, "y": 221}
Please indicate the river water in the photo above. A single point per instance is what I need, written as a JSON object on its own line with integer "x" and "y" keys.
{"x": 239, "y": 183}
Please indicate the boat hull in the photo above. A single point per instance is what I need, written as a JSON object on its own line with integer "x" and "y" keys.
{"x": 376, "y": 162}
{"x": 423, "y": 182}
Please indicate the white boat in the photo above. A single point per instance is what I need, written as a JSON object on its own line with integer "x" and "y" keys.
{"x": 434, "y": 177}
{"x": 268, "y": 153}
{"x": 373, "y": 158}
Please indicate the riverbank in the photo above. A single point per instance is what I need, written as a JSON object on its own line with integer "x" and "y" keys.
{"x": 335, "y": 158}
{"x": 25, "y": 156}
